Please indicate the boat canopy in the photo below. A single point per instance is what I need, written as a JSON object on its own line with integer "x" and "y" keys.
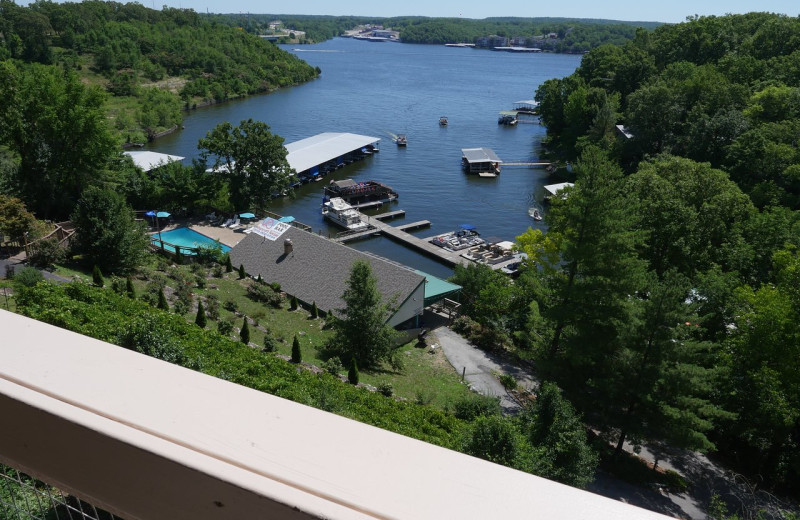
{"x": 146, "y": 160}
{"x": 321, "y": 148}
{"x": 480, "y": 155}
{"x": 555, "y": 188}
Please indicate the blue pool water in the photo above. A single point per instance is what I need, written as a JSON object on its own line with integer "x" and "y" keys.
{"x": 186, "y": 237}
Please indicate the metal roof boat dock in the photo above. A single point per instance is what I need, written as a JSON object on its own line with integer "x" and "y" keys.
{"x": 482, "y": 161}
{"x": 528, "y": 106}
{"x": 147, "y": 161}
{"x": 553, "y": 189}
{"x": 309, "y": 155}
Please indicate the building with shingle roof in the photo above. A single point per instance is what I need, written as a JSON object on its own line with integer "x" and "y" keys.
{"x": 317, "y": 270}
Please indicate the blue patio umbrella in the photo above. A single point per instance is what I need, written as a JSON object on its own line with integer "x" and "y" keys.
{"x": 247, "y": 215}
{"x": 150, "y": 213}
{"x": 286, "y": 219}
{"x": 163, "y": 214}
{"x": 468, "y": 227}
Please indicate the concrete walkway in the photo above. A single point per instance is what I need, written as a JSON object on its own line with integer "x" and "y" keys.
{"x": 481, "y": 368}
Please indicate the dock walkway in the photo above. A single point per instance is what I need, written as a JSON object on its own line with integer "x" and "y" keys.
{"x": 399, "y": 234}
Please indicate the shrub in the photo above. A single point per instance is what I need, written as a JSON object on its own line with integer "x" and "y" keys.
{"x": 352, "y": 374}
{"x": 333, "y": 366}
{"x": 275, "y": 286}
{"x": 230, "y": 305}
{"x": 225, "y": 328}
{"x": 297, "y": 355}
{"x": 314, "y": 311}
{"x": 28, "y": 277}
{"x": 200, "y": 281}
{"x": 180, "y": 307}
{"x": 293, "y": 304}
{"x": 386, "y": 388}
{"x": 216, "y": 271}
{"x": 508, "y": 381}
{"x": 493, "y": 438}
{"x": 259, "y": 279}
{"x": 117, "y": 284}
{"x": 270, "y": 344}
{"x": 262, "y": 293}
{"x": 242, "y": 274}
{"x": 228, "y": 264}
{"x": 97, "y": 277}
{"x": 207, "y": 253}
{"x": 47, "y": 253}
{"x": 244, "y": 334}
{"x": 470, "y": 407}
{"x": 212, "y": 306}
{"x": 200, "y": 319}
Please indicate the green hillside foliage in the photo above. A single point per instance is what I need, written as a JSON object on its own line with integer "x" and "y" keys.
{"x": 115, "y": 318}
{"x": 663, "y": 297}
{"x": 723, "y": 90}
{"x": 133, "y": 51}
{"x": 574, "y": 35}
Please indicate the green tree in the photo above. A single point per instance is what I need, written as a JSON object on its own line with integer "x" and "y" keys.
{"x": 162, "y": 301}
{"x": 130, "y": 290}
{"x": 297, "y": 355}
{"x": 71, "y": 146}
{"x": 493, "y": 438}
{"x": 242, "y": 273}
{"x": 15, "y": 220}
{"x": 106, "y": 233}
{"x": 559, "y": 439}
{"x": 228, "y": 265}
{"x": 200, "y": 319}
{"x": 251, "y": 158}
{"x": 97, "y": 276}
{"x": 244, "y": 334}
{"x": 293, "y": 304}
{"x": 361, "y": 332}
{"x": 764, "y": 366}
{"x": 352, "y": 373}
{"x": 314, "y": 311}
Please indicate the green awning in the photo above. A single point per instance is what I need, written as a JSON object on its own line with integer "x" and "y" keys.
{"x": 437, "y": 289}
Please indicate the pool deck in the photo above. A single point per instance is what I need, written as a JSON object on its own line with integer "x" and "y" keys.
{"x": 229, "y": 237}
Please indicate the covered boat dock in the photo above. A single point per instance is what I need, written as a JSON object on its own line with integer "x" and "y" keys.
{"x": 148, "y": 161}
{"x": 482, "y": 161}
{"x": 322, "y": 153}
{"x": 553, "y": 189}
{"x": 527, "y": 106}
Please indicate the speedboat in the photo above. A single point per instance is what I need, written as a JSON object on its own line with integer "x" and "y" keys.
{"x": 443, "y": 121}
{"x": 401, "y": 140}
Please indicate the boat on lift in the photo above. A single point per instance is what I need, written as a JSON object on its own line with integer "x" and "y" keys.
{"x": 366, "y": 193}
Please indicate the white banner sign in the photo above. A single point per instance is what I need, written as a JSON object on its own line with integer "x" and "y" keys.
{"x": 270, "y": 228}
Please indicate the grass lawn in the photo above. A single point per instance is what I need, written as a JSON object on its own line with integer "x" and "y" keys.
{"x": 425, "y": 377}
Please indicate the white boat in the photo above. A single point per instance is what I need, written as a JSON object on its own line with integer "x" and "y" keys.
{"x": 343, "y": 214}
{"x": 535, "y": 213}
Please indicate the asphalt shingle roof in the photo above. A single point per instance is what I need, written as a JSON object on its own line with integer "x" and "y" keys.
{"x": 317, "y": 270}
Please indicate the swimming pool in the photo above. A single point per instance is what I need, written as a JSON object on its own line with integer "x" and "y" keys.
{"x": 186, "y": 237}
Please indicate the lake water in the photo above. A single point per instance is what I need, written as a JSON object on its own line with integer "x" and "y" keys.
{"x": 380, "y": 89}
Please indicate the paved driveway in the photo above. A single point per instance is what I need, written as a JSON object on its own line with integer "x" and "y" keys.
{"x": 481, "y": 368}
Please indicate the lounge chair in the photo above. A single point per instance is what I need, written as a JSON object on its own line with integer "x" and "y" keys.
{"x": 235, "y": 224}
{"x": 227, "y": 223}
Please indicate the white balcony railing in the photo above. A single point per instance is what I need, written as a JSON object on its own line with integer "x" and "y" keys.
{"x": 141, "y": 438}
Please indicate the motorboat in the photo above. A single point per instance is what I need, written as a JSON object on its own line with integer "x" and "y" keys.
{"x": 401, "y": 140}
{"x": 443, "y": 121}
{"x": 343, "y": 214}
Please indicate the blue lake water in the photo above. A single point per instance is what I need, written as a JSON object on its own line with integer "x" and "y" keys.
{"x": 380, "y": 89}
